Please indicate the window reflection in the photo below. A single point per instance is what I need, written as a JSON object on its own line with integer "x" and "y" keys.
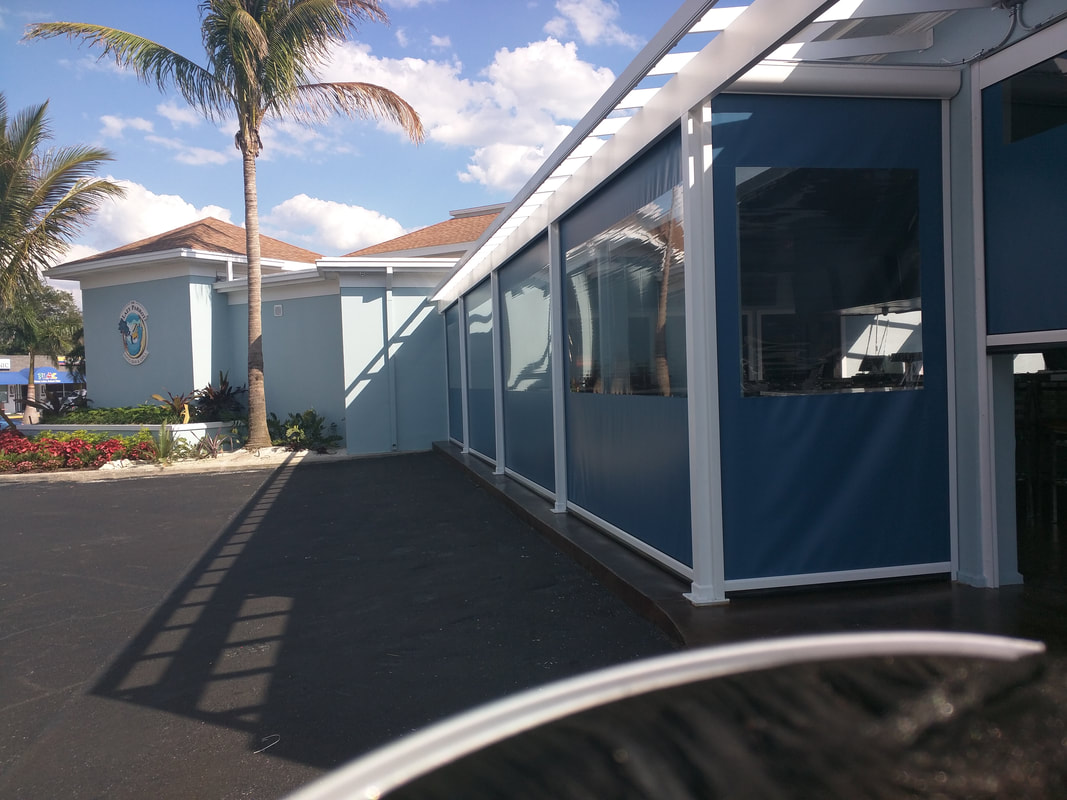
{"x": 829, "y": 278}
{"x": 626, "y": 304}
{"x": 526, "y": 329}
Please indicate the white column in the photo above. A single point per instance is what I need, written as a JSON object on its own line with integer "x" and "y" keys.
{"x": 498, "y": 371}
{"x": 701, "y": 342}
{"x": 559, "y": 374}
{"x": 463, "y": 379}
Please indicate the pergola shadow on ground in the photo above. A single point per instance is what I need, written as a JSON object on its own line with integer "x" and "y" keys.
{"x": 351, "y": 603}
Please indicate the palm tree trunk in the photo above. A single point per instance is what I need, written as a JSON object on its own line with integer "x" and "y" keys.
{"x": 258, "y": 436}
{"x": 30, "y": 414}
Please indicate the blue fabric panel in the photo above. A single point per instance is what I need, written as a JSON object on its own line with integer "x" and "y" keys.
{"x": 529, "y": 447}
{"x": 657, "y": 171}
{"x": 455, "y": 374}
{"x": 527, "y": 361}
{"x": 481, "y": 407}
{"x": 630, "y": 466}
{"x": 825, "y": 483}
{"x": 1025, "y": 235}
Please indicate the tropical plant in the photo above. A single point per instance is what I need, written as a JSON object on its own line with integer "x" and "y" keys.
{"x": 177, "y": 405}
{"x": 78, "y": 450}
{"x": 303, "y": 431}
{"x": 219, "y": 403}
{"x": 263, "y": 59}
{"x": 46, "y": 198}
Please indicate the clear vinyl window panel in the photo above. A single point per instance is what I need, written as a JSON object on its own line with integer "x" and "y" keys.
{"x": 829, "y": 280}
{"x": 626, "y": 305}
{"x": 455, "y": 374}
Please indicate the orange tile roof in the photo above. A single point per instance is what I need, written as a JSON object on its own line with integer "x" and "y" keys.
{"x": 212, "y": 235}
{"x": 460, "y": 230}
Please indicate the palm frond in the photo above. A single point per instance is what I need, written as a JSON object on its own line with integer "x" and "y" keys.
{"x": 151, "y": 62}
{"x": 318, "y": 101}
{"x": 46, "y": 198}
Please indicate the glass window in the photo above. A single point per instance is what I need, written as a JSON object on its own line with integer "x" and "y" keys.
{"x": 626, "y": 304}
{"x": 527, "y": 362}
{"x": 1035, "y": 100}
{"x": 481, "y": 420}
{"x": 829, "y": 277}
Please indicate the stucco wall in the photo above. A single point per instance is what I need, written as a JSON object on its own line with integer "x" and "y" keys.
{"x": 301, "y": 356}
{"x": 417, "y": 350}
{"x": 168, "y": 367}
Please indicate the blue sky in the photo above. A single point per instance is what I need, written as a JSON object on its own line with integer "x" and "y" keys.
{"x": 497, "y": 82}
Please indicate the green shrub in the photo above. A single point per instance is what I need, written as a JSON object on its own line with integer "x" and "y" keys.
{"x": 305, "y": 431}
{"x": 143, "y": 414}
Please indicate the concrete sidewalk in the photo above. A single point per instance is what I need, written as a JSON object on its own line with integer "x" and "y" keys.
{"x": 236, "y": 634}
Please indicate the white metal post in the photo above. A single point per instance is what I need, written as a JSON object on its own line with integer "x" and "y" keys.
{"x": 559, "y": 353}
{"x": 463, "y": 380}
{"x": 701, "y": 342}
{"x": 498, "y": 370}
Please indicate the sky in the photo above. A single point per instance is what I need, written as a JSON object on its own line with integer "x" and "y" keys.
{"x": 498, "y": 84}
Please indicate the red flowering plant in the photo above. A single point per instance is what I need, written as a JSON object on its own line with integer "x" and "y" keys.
{"x": 79, "y": 450}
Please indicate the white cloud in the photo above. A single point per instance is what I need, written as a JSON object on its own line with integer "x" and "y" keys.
{"x": 328, "y": 226}
{"x": 138, "y": 215}
{"x": 71, "y": 287}
{"x": 440, "y": 42}
{"x": 178, "y": 115}
{"x": 409, "y": 3}
{"x": 191, "y": 155}
{"x": 522, "y": 98}
{"x": 402, "y": 37}
{"x": 550, "y": 76}
{"x": 90, "y": 64}
{"x": 113, "y": 127}
{"x": 506, "y": 166}
{"x": 594, "y": 21}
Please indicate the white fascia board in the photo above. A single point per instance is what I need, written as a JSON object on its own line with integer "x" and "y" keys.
{"x": 371, "y": 270}
{"x": 290, "y": 278}
{"x": 763, "y": 26}
{"x": 139, "y": 260}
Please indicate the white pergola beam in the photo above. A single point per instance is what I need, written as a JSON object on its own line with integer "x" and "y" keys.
{"x": 763, "y": 26}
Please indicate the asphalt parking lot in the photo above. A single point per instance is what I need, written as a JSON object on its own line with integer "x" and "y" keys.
{"x": 237, "y": 634}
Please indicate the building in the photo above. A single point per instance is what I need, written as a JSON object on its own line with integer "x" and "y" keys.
{"x": 757, "y": 317}
{"x": 354, "y": 337}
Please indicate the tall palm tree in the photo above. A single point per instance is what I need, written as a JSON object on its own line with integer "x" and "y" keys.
{"x": 263, "y": 58}
{"x": 46, "y": 198}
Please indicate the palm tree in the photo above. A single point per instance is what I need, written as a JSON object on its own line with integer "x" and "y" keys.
{"x": 262, "y": 60}
{"x": 46, "y": 198}
{"x": 44, "y": 323}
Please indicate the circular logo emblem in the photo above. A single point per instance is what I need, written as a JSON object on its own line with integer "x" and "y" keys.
{"x": 133, "y": 327}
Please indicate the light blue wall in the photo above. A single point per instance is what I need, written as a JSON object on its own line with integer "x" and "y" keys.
{"x": 301, "y": 355}
{"x": 417, "y": 352}
{"x": 366, "y": 389}
{"x": 111, "y": 380}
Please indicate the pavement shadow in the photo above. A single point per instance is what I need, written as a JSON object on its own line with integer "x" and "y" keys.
{"x": 352, "y": 602}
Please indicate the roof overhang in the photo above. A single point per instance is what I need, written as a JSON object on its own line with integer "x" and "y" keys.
{"x": 81, "y": 270}
{"x": 869, "y": 48}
